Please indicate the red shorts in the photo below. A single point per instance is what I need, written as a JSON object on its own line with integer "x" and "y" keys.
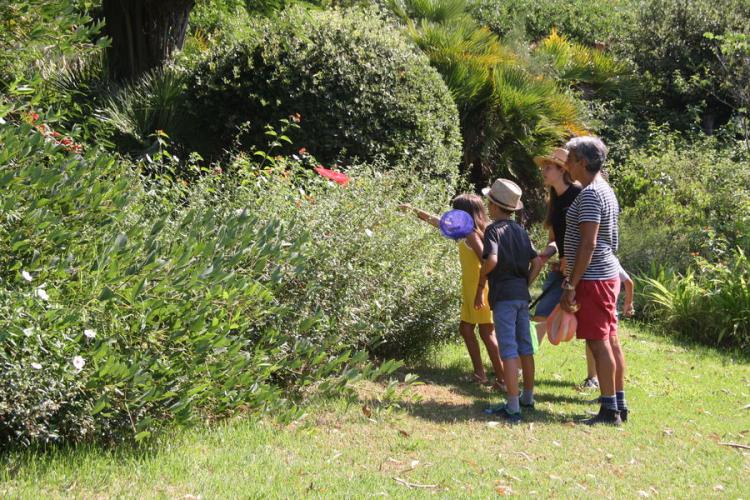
{"x": 597, "y": 317}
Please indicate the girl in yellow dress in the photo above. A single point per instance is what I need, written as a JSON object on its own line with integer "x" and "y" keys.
{"x": 470, "y": 256}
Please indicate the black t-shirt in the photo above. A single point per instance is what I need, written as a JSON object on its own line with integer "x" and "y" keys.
{"x": 510, "y": 242}
{"x": 559, "y": 210}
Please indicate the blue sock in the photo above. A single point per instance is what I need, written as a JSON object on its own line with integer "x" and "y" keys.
{"x": 527, "y": 397}
{"x": 621, "y": 400}
{"x": 609, "y": 402}
{"x": 512, "y": 405}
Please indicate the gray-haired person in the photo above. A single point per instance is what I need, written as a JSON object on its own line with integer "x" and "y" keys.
{"x": 593, "y": 283}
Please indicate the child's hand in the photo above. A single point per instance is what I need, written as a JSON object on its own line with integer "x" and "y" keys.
{"x": 479, "y": 299}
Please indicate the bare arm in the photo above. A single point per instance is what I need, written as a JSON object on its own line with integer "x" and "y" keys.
{"x": 487, "y": 266}
{"x": 551, "y": 248}
{"x": 476, "y": 244}
{"x": 536, "y": 267}
{"x": 585, "y": 251}
{"x": 627, "y": 308}
{"x": 432, "y": 220}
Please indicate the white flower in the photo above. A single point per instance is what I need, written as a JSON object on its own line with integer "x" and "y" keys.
{"x": 25, "y": 274}
{"x": 41, "y": 293}
{"x": 79, "y": 363}
{"x": 368, "y": 233}
{"x": 90, "y": 334}
{"x": 28, "y": 331}
{"x": 36, "y": 366}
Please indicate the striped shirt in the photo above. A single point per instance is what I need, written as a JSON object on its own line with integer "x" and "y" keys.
{"x": 596, "y": 203}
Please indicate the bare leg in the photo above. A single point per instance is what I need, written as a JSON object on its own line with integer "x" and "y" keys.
{"x": 590, "y": 363}
{"x": 527, "y": 366}
{"x": 467, "y": 332}
{"x": 487, "y": 332}
{"x": 619, "y": 357}
{"x": 605, "y": 365}
{"x": 510, "y": 367}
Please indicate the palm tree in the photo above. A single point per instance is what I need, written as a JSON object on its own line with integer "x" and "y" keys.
{"x": 512, "y": 106}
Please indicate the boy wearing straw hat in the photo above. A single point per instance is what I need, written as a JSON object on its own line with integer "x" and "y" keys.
{"x": 510, "y": 264}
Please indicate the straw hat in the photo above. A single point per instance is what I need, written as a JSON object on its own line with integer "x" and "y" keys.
{"x": 505, "y": 194}
{"x": 558, "y": 157}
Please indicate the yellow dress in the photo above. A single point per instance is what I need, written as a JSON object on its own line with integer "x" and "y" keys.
{"x": 470, "y": 266}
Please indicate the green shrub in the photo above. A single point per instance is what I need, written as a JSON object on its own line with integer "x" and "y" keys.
{"x": 709, "y": 303}
{"x": 123, "y": 308}
{"x": 361, "y": 90}
{"x": 677, "y": 63}
{"x": 376, "y": 273}
{"x": 585, "y": 21}
{"x": 682, "y": 196}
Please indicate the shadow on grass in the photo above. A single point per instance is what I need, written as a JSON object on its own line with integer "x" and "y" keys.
{"x": 452, "y": 378}
{"x": 446, "y": 413}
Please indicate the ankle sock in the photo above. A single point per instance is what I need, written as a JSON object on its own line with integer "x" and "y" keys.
{"x": 609, "y": 402}
{"x": 620, "y": 395}
{"x": 527, "y": 397}
{"x": 513, "y": 405}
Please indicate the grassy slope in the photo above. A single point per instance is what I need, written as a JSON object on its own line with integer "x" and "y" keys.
{"x": 684, "y": 401}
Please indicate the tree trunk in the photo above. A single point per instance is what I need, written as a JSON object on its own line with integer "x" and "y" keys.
{"x": 144, "y": 33}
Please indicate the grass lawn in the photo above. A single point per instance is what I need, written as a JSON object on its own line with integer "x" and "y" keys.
{"x": 685, "y": 401}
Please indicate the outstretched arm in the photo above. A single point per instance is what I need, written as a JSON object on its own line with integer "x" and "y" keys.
{"x": 432, "y": 220}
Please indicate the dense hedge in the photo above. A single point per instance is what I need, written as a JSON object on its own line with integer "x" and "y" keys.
{"x": 123, "y": 307}
{"x": 384, "y": 279}
{"x": 360, "y": 89}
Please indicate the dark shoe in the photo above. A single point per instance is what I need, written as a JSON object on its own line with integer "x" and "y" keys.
{"x": 528, "y": 405}
{"x": 605, "y": 416}
{"x": 502, "y": 411}
{"x": 624, "y": 415}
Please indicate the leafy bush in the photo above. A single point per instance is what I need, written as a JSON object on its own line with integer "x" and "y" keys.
{"x": 677, "y": 63}
{"x": 122, "y": 308}
{"x": 710, "y": 303}
{"x": 682, "y": 196}
{"x": 585, "y": 21}
{"x": 387, "y": 281}
{"x": 361, "y": 91}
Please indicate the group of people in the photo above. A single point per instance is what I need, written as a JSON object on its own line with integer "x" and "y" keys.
{"x": 499, "y": 263}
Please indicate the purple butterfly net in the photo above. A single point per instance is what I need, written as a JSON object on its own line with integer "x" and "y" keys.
{"x": 456, "y": 224}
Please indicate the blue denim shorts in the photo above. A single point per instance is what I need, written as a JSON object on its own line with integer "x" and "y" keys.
{"x": 512, "y": 328}
{"x": 547, "y": 304}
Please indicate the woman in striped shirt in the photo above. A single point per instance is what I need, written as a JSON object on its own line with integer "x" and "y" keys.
{"x": 591, "y": 288}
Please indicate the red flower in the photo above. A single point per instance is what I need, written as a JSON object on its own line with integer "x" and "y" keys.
{"x": 302, "y": 151}
{"x": 34, "y": 117}
{"x": 337, "y": 177}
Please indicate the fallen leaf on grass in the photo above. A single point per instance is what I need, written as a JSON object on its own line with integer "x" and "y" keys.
{"x": 718, "y": 487}
{"x": 403, "y": 433}
{"x": 366, "y": 411}
{"x": 503, "y": 490}
{"x": 668, "y": 432}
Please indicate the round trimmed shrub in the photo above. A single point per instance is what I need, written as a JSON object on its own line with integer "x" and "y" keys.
{"x": 360, "y": 90}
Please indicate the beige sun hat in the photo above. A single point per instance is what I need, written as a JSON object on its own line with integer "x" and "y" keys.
{"x": 559, "y": 156}
{"x": 504, "y": 193}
